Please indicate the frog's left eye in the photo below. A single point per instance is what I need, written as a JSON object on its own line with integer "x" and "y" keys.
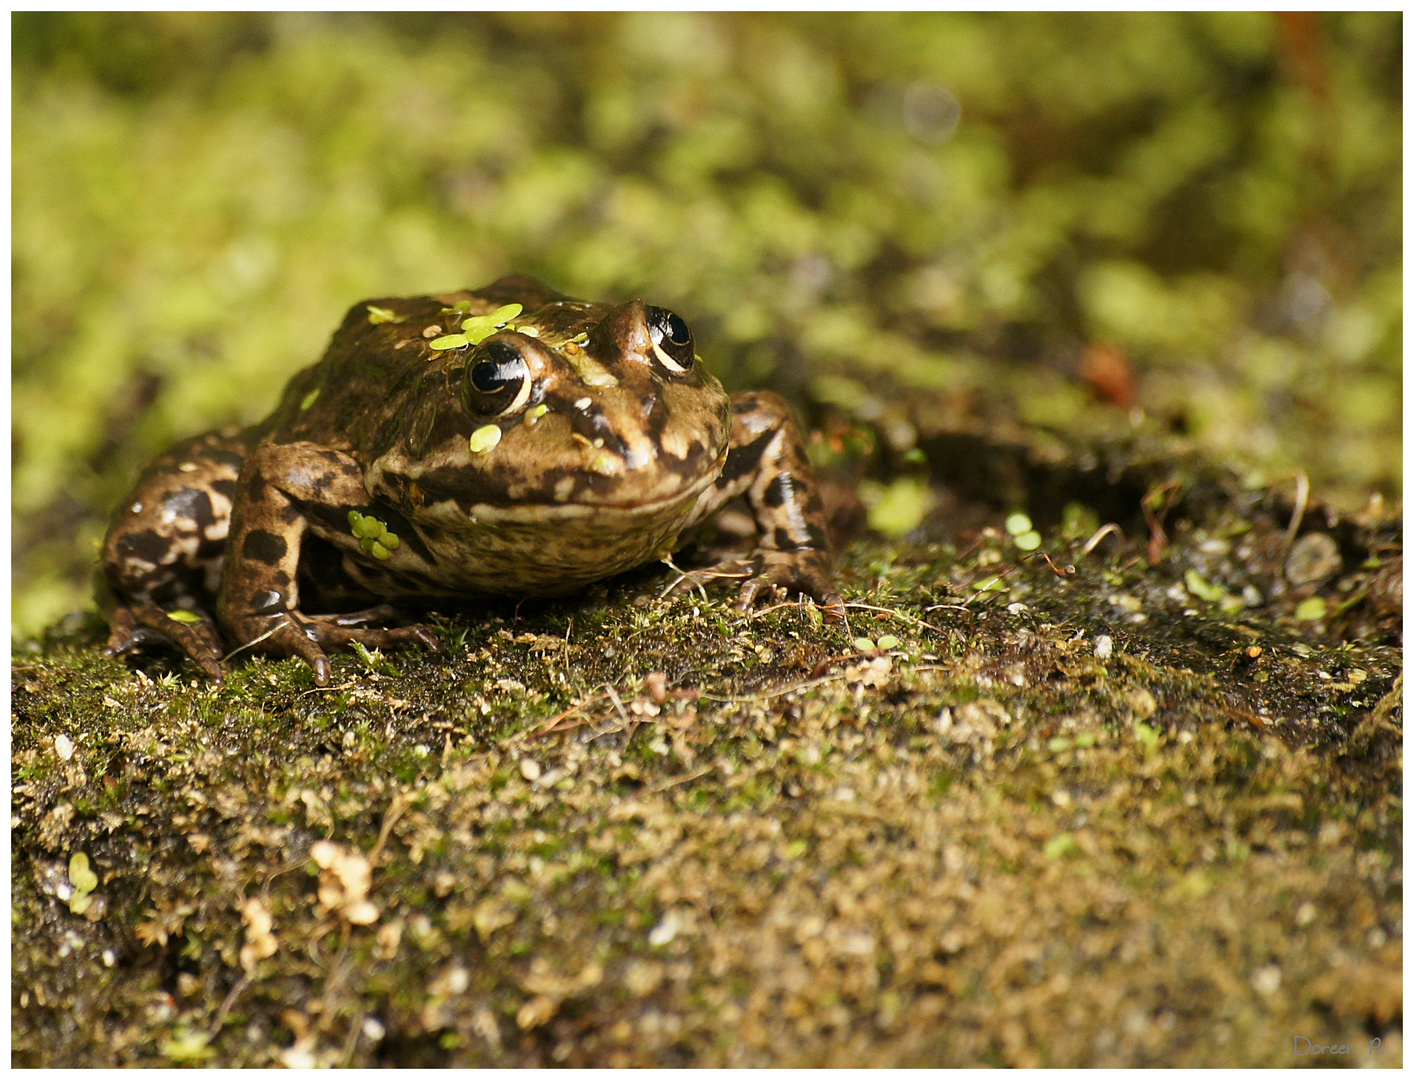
{"x": 498, "y": 380}
{"x": 672, "y": 340}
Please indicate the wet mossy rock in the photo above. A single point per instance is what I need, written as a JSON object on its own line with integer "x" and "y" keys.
{"x": 1130, "y": 798}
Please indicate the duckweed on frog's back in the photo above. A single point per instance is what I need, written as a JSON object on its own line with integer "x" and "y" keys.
{"x": 508, "y": 440}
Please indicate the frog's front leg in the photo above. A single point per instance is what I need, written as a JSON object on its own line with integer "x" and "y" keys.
{"x": 766, "y": 462}
{"x": 259, "y": 600}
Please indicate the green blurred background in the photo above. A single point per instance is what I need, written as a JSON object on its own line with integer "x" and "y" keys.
{"x": 1185, "y": 224}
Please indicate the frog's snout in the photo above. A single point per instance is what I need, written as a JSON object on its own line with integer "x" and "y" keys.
{"x": 611, "y": 440}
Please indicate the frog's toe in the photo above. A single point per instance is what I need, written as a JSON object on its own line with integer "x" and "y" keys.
{"x": 729, "y": 570}
{"x": 146, "y": 625}
{"x": 806, "y": 571}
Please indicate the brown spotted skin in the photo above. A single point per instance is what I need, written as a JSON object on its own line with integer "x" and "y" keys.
{"x": 577, "y": 441}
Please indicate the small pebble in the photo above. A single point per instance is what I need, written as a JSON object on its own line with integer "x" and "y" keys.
{"x": 530, "y": 769}
{"x": 1267, "y": 980}
{"x": 1314, "y": 557}
{"x": 64, "y": 746}
{"x": 1104, "y": 646}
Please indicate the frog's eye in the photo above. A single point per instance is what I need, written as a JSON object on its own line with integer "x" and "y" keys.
{"x": 498, "y": 380}
{"x": 672, "y": 340}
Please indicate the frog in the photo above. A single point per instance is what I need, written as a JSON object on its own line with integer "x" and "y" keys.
{"x": 506, "y": 441}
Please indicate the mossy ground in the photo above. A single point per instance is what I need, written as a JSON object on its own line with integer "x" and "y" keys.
{"x": 1147, "y": 811}
{"x": 1084, "y": 818}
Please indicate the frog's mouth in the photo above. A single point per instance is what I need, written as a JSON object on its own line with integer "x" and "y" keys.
{"x": 451, "y": 513}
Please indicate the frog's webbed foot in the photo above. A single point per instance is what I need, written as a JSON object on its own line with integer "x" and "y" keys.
{"x": 311, "y": 637}
{"x": 145, "y": 624}
{"x": 805, "y": 570}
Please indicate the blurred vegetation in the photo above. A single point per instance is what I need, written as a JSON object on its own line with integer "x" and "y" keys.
{"x": 1183, "y": 223}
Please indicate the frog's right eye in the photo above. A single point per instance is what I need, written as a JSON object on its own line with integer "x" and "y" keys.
{"x": 497, "y": 380}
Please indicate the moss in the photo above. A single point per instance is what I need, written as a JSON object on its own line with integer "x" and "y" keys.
{"x": 1138, "y": 804}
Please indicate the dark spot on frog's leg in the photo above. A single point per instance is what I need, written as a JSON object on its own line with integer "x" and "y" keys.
{"x": 264, "y": 547}
{"x": 191, "y": 504}
{"x": 227, "y": 458}
{"x": 742, "y": 460}
{"x": 778, "y": 490}
{"x": 268, "y": 602}
{"x": 814, "y": 538}
{"x": 225, "y": 487}
{"x": 146, "y": 546}
{"x": 741, "y": 408}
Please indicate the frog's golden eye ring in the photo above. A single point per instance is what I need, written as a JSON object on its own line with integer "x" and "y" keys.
{"x": 672, "y": 340}
{"x": 498, "y": 380}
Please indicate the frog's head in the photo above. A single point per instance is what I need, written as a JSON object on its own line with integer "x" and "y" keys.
{"x": 569, "y": 410}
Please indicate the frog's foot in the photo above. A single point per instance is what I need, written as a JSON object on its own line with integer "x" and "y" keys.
{"x": 310, "y": 637}
{"x": 804, "y": 570}
{"x": 145, "y": 624}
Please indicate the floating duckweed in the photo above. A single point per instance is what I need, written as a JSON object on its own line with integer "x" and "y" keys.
{"x": 480, "y": 327}
{"x": 1312, "y": 609}
{"x": 181, "y": 615}
{"x": 533, "y": 415}
{"x": 450, "y": 341}
{"x": 365, "y": 527}
{"x": 378, "y": 315}
{"x": 1018, "y": 523}
{"x": 309, "y": 399}
{"x": 989, "y": 584}
{"x": 1027, "y": 541}
{"x": 373, "y": 535}
{"x": 484, "y": 439}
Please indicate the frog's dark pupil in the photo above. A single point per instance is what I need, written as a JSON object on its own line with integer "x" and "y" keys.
{"x": 496, "y": 378}
{"x": 671, "y": 334}
{"x": 490, "y": 377}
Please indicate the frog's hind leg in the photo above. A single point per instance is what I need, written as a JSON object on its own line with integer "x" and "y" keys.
{"x": 767, "y": 464}
{"x": 163, "y": 554}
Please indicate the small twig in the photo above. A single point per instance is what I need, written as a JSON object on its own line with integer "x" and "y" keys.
{"x": 1100, "y": 533}
{"x": 396, "y": 809}
{"x": 354, "y": 1032}
{"x": 327, "y": 689}
{"x": 776, "y": 693}
{"x": 1054, "y": 568}
{"x": 981, "y": 539}
{"x": 1303, "y": 494}
{"x": 614, "y": 697}
{"x": 675, "y": 781}
{"x": 227, "y": 1004}
{"x": 550, "y": 725}
{"x": 903, "y": 614}
{"x": 256, "y": 641}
